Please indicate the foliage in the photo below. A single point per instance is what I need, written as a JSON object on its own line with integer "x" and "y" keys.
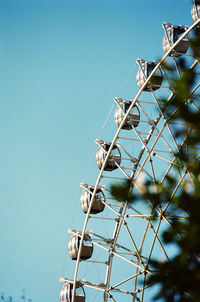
{"x": 179, "y": 278}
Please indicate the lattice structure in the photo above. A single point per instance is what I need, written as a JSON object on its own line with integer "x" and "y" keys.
{"x": 143, "y": 148}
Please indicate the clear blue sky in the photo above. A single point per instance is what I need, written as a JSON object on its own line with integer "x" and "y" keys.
{"x": 61, "y": 64}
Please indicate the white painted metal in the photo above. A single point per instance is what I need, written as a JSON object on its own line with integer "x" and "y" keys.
{"x": 140, "y": 162}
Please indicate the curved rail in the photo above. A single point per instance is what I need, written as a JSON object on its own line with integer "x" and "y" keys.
{"x": 124, "y": 205}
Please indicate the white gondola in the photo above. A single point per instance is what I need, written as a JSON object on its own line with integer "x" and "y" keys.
{"x": 74, "y": 245}
{"x": 145, "y": 69}
{"x": 172, "y": 34}
{"x": 114, "y": 158}
{"x": 97, "y": 205}
{"x": 195, "y": 11}
{"x": 66, "y": 293}
{"x": 133, "y": 118}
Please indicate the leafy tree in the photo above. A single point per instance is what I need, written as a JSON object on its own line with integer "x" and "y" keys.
{"x": 179, "y": 278}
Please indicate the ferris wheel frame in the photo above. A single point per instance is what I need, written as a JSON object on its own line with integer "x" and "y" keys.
{"x": 106, "y": 286}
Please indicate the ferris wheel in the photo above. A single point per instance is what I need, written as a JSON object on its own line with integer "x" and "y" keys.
{"x": 112, "y": 251}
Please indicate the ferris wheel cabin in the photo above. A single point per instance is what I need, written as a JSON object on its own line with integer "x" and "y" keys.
{"x": 66, "y": 293}
{"x": 97, "y": 205}
{"x": 133, "y": 118}
{"x": 172, "y": 34}
{"x": 74, "y": 245}
{"x": 195, "y": 11}
{"x": 114, "y": 158}
{"x": 145, "y": 69}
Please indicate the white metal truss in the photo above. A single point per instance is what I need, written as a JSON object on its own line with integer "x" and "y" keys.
{"x": 156, "y": 145}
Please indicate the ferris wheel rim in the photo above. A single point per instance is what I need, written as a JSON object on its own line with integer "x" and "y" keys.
{"x": 75, "y": 280}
